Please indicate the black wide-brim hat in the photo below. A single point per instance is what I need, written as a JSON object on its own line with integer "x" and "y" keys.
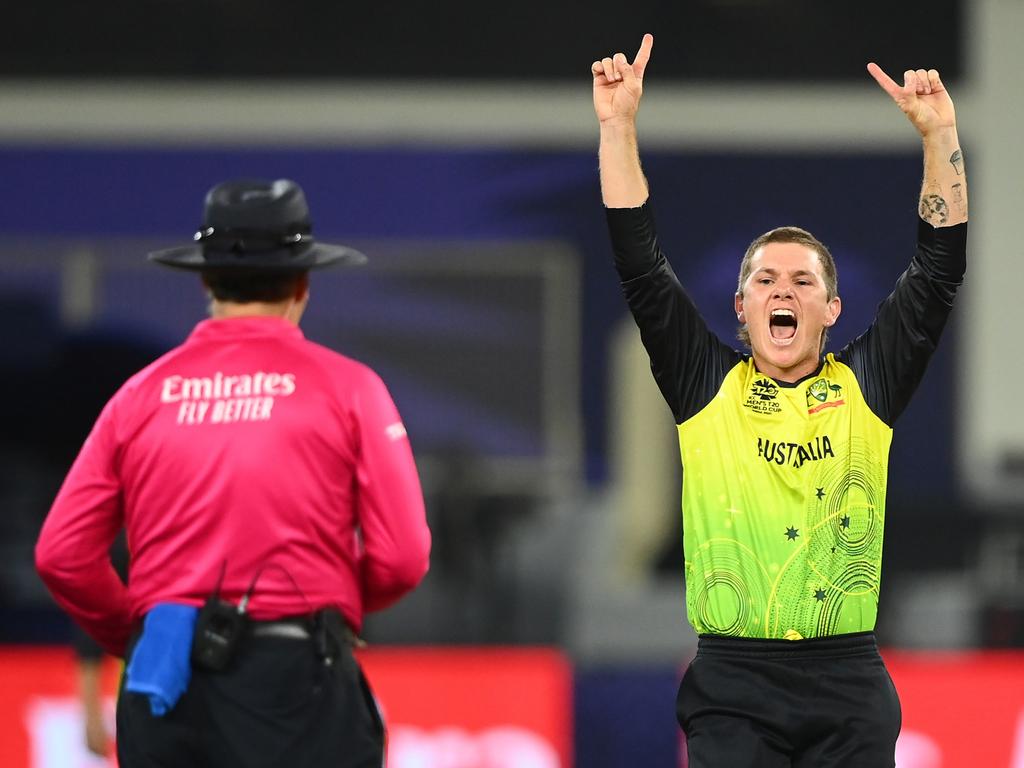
{"x": 258, "y": 226}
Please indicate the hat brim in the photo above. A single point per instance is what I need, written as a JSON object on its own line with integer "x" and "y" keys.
{"x": 316, "y": 256}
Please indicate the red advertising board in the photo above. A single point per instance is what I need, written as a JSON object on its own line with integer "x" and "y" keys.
{"x": 505, "y": 708}
{"x": 464, "y": 708}
{"x": 458, "y": 708}
{"x": 960, "y": 709}
{"x": 40, "y": 720}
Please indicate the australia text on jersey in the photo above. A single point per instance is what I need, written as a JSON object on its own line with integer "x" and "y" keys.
{"x": 223, "y": 399}
{"x": 794, "y": 454}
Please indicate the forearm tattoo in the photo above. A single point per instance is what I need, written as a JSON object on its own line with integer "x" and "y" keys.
{"x": 957, "y": 160}
{"x": 958, "y": 199}
{"x": 934, "y": 209}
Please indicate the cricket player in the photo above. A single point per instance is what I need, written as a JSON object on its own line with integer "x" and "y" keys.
{"x": 784, "y": 450}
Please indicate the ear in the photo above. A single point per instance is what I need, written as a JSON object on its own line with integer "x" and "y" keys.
{"x": 738, "y": 305}
{"x": 832, "y": 312}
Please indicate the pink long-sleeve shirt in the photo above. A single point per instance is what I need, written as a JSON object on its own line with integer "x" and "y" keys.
{"x": 246, "y": 448}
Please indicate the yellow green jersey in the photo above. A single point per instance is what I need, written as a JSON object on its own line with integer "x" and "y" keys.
{"x": 784, "y": 482}
{"x": 783, "y": 506}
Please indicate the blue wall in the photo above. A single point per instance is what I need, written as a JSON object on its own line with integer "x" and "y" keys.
{"x": 708, "y": 208}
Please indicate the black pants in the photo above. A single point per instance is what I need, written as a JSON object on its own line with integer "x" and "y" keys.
{"x": 278, "y": 704}
{"x": 818, "y": 703}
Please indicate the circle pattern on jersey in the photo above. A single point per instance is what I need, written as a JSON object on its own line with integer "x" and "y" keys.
{"x": 723, "y": 596}
{"x": 855, "y": 592}
{"x": 831, "y": 580}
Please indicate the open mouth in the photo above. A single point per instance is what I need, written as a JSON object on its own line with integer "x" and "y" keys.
{"x": 782, "y": 325}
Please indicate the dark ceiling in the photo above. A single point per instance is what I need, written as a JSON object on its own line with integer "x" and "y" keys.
{"x": 806, "y": 40}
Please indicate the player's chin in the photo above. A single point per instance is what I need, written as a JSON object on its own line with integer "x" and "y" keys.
{"x": 784, "y": 353}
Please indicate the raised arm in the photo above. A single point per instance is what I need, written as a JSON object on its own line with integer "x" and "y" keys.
{"x": 926, "y": 103}
{"x": 890, "y": 358}
{"x": 687, "y": 360}
{"x": 618, "y": 86}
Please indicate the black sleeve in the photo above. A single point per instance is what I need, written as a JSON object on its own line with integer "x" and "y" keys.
{"x": 889, "y": 358}
{"x": 688, "y": 361}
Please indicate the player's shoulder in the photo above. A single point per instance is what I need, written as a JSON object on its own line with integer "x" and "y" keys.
{"x": 128, "y": 400}
{"x": 337, "y": 364}
{"x": 835, "y": 366}
{"x": 835, "y": 362}
{"x": 149, "y": 373}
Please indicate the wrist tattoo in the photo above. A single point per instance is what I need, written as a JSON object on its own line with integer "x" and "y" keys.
{"x": 934, "y": 209}
{"x": 957, "y": 161}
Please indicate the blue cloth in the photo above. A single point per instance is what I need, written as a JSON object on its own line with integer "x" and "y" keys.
{"x": 160, "y": 666}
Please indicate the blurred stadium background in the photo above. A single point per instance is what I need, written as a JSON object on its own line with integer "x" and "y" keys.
{"x": 456, "y": 145}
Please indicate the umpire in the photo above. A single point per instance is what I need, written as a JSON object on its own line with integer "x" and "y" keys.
{"x": 269, "y": 496}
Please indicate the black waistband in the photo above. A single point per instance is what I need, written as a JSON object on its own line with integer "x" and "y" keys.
{"x": 836, "y": 646}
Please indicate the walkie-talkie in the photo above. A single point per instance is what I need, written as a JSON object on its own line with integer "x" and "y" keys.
{"x": 219, "y": 627}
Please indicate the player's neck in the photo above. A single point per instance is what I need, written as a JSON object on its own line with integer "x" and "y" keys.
{"x": 787, "y": 375}
{"x": 230, "y": 309}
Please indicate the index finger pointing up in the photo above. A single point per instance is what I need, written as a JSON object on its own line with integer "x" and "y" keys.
{"x": 643, "y": 55}
{"x": 888, "y": 84}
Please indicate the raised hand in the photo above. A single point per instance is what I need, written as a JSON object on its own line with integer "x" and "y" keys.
{"x": 618, "y": 84}
{"x": 922, "y": 97}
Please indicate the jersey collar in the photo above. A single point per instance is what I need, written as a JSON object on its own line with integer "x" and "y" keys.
{"x": 790, "y": 384}
{"x": 241, "y": 327}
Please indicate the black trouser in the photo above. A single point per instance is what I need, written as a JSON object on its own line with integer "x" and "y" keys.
{"x": 279, "y": 703}
{"x": 789, "y": 704}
